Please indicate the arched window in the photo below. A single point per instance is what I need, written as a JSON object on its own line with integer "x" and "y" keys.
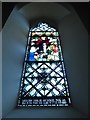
{"x": 44, "y": 81}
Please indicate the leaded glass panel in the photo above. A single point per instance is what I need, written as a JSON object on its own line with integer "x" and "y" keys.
{"x": 44, "y": 81}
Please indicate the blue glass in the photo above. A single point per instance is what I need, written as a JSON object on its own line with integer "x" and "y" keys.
{"x": 31, "y": 56}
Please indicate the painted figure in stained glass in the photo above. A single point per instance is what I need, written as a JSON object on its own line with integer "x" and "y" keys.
{"x": 44, "y": 49}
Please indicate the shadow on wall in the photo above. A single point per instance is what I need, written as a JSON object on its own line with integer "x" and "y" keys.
{"x": 14, "y": 38}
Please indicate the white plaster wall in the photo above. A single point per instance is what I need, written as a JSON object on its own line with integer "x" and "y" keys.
{"x": 14, "y": 38}
{"x": 74, "y": 38}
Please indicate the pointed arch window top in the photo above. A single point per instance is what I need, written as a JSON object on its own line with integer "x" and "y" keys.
{"x": 43, "y": 27}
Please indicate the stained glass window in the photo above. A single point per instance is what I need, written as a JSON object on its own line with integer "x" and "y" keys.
{"x": 44, "y": 81}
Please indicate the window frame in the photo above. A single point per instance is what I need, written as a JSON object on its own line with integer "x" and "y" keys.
{"x": 68, "y": 99}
